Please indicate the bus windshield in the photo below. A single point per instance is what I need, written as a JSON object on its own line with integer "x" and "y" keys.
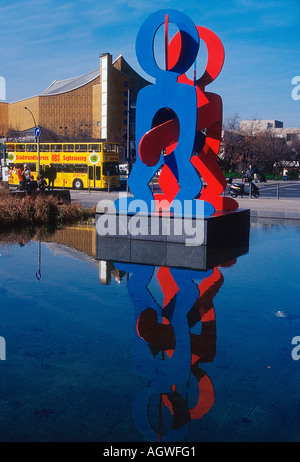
{"x": 110, "y": 168}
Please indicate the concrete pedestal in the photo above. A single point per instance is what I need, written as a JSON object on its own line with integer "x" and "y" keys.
{"x": 196, "y": 243}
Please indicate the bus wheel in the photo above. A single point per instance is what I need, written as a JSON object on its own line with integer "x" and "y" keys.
{"x": 77, "y": 184}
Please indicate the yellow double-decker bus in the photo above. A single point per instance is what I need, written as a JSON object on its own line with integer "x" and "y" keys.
{"x": 78, "y": 165}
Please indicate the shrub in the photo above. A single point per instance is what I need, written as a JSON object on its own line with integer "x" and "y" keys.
{"x": 38, "y": 210}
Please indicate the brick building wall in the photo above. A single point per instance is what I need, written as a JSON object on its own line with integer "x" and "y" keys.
{"x": 93, "y": 106}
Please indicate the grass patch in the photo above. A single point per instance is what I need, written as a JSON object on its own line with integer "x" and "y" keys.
{"x": 39, "y": 210}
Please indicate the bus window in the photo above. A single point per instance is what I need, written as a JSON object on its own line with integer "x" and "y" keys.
{"x": 58, "y": 167}
{"x": 20, "y": 147}
{"x": 95, "y": 147}
{"x": 68, "y": 168}
{"x": 91, "y": 172}
{"x": 44, "y": 147}
{"x": 32, "y": 167}
{"x": 110, "y": 168}
{"x": 110, "y": 147}
{"x": 10, "y": 147}
{"x": 31, "y": 148}
{"x": 80, "y": 147}
{"x": 98, "y": 173}
{"x": 80, "y": 168}
{"x": 68, "y": 147}
{"x": 56, "y": 147}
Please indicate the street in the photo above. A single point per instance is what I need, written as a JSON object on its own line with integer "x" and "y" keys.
{"x": 286, "y": 189}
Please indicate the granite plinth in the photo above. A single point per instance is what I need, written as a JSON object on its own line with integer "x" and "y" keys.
{"x": 221, "y": 229}
{"x": 203, "y": 243}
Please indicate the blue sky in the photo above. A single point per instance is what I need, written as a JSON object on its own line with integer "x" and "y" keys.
{"x": 44, "y": 40}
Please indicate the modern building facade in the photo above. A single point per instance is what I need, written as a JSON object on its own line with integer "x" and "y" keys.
{"x": 92, "y": 106}
{"x": 256, "y": 126}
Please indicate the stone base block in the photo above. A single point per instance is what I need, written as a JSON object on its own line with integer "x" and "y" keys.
{"x": 215, "y": 240}
{"x": 221, "y": 229}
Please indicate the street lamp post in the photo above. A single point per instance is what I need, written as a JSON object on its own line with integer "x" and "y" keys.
{"x": 37, "y": 137}
{"x": 128, "y": 136}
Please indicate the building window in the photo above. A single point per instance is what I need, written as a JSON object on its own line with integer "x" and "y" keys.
{"x": 104, "y": 98}
{"x": 104, "y": 86}
{"x": 104, "y": 62}
{"x": 104, "y": 75}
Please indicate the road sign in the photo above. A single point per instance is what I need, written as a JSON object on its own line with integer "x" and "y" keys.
{"x": 37, "y": 131}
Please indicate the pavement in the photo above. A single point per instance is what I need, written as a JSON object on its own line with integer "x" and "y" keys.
{"x": 279, "y": 209}
{"x": 267, "y": 210}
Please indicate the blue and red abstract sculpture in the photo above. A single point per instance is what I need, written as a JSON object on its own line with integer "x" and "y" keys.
{"x": 178, "y": 123}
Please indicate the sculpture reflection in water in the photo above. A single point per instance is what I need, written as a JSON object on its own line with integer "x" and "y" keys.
{"x": 174, "y": 338}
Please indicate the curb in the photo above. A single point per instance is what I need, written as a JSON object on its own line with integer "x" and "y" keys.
{"x": 272, "y": 214}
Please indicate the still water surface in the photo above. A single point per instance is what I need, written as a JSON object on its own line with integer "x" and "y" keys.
{"x": 102, "y": 351}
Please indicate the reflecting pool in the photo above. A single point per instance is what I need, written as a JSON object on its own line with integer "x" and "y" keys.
{"x": 95, "y": 350}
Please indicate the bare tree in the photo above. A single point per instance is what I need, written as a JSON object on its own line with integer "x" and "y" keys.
{"x": 295, "y": 149}
{"x": 251, "y": 146}
{"x": 271, "y": 150}
{"x": 14, "y": 134}
{"x": 238, "y": 144}
{"x": 75, "y": 131}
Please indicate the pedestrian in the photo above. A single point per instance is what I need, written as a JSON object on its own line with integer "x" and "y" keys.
{"x": 21, "y": 178}
{"x": 285, "y": 174}
{"x": 26, "y": 173}
{"x": 51, "y": 175}
{"x": 41, "y": 183}
{"x": 248, "y": 175}
{"x": 5, "y": 176}
{"x": 32, "y": 185}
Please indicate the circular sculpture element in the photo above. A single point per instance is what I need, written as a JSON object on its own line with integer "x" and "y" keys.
{"x": 145, "y": 40}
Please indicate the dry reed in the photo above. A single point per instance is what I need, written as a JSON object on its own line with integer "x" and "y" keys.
{"x": 37, "y": 211}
